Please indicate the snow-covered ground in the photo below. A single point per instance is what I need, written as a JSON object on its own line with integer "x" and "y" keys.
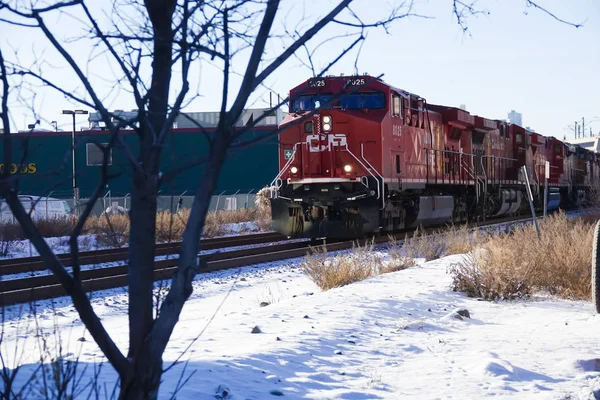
{"x": 393, "y": 336}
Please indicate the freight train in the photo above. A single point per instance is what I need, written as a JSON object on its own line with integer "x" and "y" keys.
{"x": 359, "y": 156}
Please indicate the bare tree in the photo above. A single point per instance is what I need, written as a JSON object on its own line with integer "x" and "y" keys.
{"x": 155, "y": 45}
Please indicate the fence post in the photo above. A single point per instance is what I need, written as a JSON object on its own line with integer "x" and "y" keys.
{"x": 546, "y": 177}
{"x": 248, "y": 197}
{"x": 530, "y": 197}
{"x": 125, "y": 201}
{"x": 180, "y": 201}
{"x": 218, "y": 200}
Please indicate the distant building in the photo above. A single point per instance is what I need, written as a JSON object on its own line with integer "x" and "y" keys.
{"x": 463, "y": 107}
{"x": 515, "y": 118}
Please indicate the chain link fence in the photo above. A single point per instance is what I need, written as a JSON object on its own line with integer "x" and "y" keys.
{"x": 49, "y": 207}
{"x": 121, "y": 204}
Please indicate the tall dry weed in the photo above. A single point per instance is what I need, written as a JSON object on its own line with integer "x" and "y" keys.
{"x": 461, "y": 239}
{"x": 110, "y": 230}
{"x": 513, "y": 265}
{"x": 423, "y": 245}
{"x": 330, "y": 272}
{"x": 170, "y": 226}
{"x": 360, "y": 263}
{"x": 399, "y": 260}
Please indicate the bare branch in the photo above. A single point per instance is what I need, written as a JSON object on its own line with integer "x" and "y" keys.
{"x": 249, "y": 83}
{"x": 534, "y": 4}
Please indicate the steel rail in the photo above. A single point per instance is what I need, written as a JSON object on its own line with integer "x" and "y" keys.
{"x": 30, "y": 264}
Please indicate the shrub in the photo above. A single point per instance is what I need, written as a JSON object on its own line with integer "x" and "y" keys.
{"x": 513, "y": 265}
{"x": 478, "y": 275}
{"x": 169, "y": 226}
{"x": 212, "y": 227}
{"x": 340, "y": 270}
{"x": 359, "y": 264}
{"x": 110, "y": 230}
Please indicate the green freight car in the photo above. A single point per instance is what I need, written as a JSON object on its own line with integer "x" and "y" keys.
{"x": 42, "y": 162}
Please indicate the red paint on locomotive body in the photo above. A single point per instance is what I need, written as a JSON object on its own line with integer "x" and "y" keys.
{"x": 358, "y": 155}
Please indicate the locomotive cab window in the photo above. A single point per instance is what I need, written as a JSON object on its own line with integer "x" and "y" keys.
{"x": 396, "y": 108}
{"x": 557, "y": 149}
{"x": 310, "y": 102}
{"x": 372, "y": 100}
{"x": 519, "y": 138}
{"x": 94, "y": 155}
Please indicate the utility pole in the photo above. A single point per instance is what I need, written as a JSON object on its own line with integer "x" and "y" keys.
{"x": 583, "y": 125}
{"x": 575, "y": 129}
{"x": 75, "y": 188}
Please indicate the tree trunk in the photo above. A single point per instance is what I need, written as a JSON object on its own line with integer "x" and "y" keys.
{"x": 142, "y": 381}
{"x": 141, "y": 260}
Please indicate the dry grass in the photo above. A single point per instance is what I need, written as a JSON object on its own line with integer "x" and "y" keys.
{"x": 113, "y": 230}
{"x": 169, "y": 227}
{"x": 51, "y": 227}
{"x": 263, "y": 209}
{"x": 361, "y": 263}
{"x": 515, "y": 265}
{"x": 110, "y": 230}
{"x": 330, "y": 272}
{"x": 461, "y": 239}
{"x": 423, "y": 245}
{"x": 398, "y": 259}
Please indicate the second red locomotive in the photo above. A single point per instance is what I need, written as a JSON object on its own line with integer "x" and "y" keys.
{"x": 359, "y": 156}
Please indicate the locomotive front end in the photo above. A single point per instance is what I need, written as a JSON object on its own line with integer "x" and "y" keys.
{"x": 327, "y": 185}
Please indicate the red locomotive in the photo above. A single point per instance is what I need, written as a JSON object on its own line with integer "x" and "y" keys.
{"x": 360, "y": 156}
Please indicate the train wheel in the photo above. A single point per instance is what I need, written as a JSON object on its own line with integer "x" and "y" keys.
{"x": 596, "y": 268}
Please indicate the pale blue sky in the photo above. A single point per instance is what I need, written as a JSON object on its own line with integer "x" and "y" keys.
{"x": 514, "y": 58}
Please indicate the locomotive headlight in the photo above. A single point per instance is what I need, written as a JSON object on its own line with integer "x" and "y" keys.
{"x": 327, "y": 123}
{"x": 348, "y": 168}
{"x": 294, "y": 170}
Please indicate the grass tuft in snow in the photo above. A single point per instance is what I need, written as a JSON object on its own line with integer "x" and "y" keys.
{"x": 398, "y": 258}
{"x": 423, "y": 245}
{"x": 360, "y": 263}
{"x": 330, "y": 272}
{"x": 510, "y": 266}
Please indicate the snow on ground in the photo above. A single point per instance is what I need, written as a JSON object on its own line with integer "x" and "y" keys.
{"x": 393, "y": 336}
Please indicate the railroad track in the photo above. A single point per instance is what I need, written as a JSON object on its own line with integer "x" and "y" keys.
{"x": 30, "y": 289}
{"x": 31, "y": 264}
